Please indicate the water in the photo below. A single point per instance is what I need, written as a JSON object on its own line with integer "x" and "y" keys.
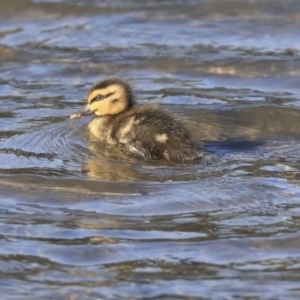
{"x": 78, "y": 221}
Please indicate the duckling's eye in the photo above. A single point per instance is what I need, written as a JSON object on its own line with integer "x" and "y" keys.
{"x": 99, "y": 97}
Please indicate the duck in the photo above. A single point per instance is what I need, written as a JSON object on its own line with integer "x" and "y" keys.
{"x": 140, "y": 130}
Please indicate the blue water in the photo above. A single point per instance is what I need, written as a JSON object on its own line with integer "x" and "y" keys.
{"x": 79, "y": 221}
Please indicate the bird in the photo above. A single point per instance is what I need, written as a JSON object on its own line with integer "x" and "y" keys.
{"x": 141, "y": 130}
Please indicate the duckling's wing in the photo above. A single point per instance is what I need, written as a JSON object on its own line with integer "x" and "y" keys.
{"x": 126, "y": 136}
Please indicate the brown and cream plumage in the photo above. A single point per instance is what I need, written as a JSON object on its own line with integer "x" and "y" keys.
{"x": 138, "y": 129}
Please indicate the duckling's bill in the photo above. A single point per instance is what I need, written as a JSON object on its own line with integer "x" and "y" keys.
{"x": 82, "y": 113}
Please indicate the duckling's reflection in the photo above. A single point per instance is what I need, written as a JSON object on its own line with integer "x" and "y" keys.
{"x": 110, "y": 163}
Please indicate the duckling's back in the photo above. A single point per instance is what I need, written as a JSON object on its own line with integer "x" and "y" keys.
{"x": 154, "y": 134}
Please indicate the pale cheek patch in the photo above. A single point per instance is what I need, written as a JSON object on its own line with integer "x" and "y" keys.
{"x": 161, "y": 138}
{"x": 114, "y": 102}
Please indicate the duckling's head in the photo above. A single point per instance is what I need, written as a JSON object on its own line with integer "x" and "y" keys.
{"x": 107, "y": 97}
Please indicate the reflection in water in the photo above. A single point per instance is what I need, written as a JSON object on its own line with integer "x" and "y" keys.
{"x": 79, "y": 220}
{"x": 111, "y": 163}
{"x": 104, "y": 165}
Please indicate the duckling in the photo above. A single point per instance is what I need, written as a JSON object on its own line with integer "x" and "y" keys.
{"x": 139, "y": 130}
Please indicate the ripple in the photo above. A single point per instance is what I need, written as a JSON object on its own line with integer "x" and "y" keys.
{"x": 50, "y": 147}
{"x": 79, "y": 220}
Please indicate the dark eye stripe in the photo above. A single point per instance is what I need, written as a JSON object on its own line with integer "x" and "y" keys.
{"x": 93, "y": 100}
{"x": 103, "y": 97}
{"x": 110, "y": 94}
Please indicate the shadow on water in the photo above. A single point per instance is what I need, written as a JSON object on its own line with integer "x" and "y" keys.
{"x": 234, "y": 145}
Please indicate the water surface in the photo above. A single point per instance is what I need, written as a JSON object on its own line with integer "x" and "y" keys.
{"x": 77, "y": 221}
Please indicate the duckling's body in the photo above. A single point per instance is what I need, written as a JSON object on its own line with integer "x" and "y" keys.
{"x": 139, "y": 130}
{"x": 147, "y": 132}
